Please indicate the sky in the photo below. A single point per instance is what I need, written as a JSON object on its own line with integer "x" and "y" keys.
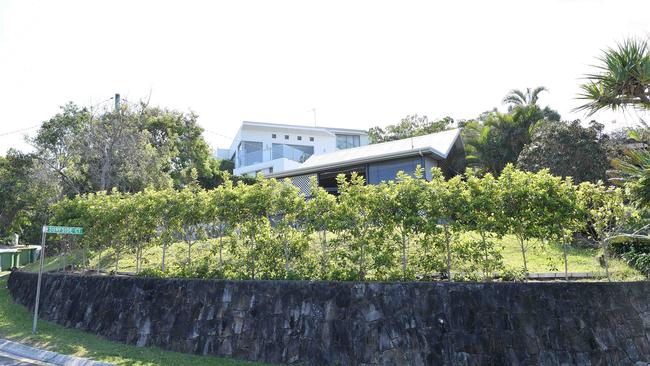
{"x": 357, "y": 63}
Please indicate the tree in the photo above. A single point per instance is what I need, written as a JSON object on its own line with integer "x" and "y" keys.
{"x": 192, "y": 212}
{"x": 567, "y": 149}
{"x": 26, "y": 192}
{"x": 221, "y": 213}
{"x": 320, "y": 212}
{"x": 484, "y": 214}
{"x": 605, "y": 211}
{"x": 58, "y": 144}
{"x": 362, "y": 225}
{"x": 254, "y": 228}
{"x": 178, "y": 137}
{"x": 523, "y": 199}
{"x": 129, "y": 149}
{"x": 287, "y": 221}
{"x": 409, "y": 126}
{"x": 441, "y": 201}
{"x": 518, "y": 98}
{"x": 621, "y": 80}
{"x": 498, "y": 138}
{"x": 403, "y": 205}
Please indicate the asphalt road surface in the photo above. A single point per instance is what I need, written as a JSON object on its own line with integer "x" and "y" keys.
{"x": 10, "y": 360}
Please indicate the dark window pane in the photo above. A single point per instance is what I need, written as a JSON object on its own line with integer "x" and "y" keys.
{"x": 387, "y": 170}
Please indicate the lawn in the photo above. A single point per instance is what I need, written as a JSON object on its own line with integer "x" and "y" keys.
{"x": 549, "y": 258}
{"x": 16, "y": 325}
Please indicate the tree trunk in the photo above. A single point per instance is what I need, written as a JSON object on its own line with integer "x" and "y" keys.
{"x": 404, "y": 260}
{"x": 99, "y": 261}
{"x": 362, "y": 274}
{"x": 286, "y": 257}
{"x": 221, "y": 251}
{"x": 323, "y": 246}
{"x": 485, "y": 257}
{"x": 117, "y": 261}
{"x": 448, "y": 244}
{"x": 566, "y": 260}
{"x": 164, "y": 253}
{"x": 606, "y": 258}
{"x": 523, "y": 254}
{"x": 252, "y": 255}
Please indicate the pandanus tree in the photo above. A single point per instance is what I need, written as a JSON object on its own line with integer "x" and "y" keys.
{"x": 621, "y": 79}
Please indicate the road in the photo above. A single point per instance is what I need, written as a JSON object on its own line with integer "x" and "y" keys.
{"x": 10, "y": 360}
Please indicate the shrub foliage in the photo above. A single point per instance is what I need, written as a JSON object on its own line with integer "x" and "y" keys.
{"x": 404, "y": 229}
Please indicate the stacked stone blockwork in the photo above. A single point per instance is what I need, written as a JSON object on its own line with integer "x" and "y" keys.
{"x": 350, "y": 323}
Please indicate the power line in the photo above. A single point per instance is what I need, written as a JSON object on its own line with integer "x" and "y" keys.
{"x": 218, "y": 134}
{"x": 18, "y": 131}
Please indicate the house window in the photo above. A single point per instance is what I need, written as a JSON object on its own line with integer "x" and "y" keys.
{"x": 347, "y": 141}
{"x": 387, "y": 170}
{"x": 270, "y": 170}
{"x": 311, "y": 139}
{"x": 292, "y": 152}
{"x": 299, "y": 138}
{"x": 273, "y": 136}
{"x": 249, "y": 152}
{"x": 286, "y": 137}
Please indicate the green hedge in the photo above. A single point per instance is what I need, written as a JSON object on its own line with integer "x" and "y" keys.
{"x": 403, "y": 229}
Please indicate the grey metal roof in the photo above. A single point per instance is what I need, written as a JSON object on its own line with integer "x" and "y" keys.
{"x": 438, "y": 144}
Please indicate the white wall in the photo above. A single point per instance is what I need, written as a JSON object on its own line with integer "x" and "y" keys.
{"x": 324, "y": 142}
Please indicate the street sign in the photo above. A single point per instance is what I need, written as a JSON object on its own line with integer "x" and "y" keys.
{"x": 63, "y": 230}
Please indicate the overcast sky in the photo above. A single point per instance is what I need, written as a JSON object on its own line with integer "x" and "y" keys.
{"x": 358, "y": 63}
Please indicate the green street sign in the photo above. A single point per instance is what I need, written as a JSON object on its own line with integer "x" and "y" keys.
{"x": 63, "y": 230}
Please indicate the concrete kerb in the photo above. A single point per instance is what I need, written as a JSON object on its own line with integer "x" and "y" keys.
{"x": 21, "y": 350}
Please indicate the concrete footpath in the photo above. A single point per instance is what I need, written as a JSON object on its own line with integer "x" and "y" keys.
{"x": 17, "y": 354}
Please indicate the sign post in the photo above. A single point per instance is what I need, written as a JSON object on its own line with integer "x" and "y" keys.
{"x": 63, "y": 230}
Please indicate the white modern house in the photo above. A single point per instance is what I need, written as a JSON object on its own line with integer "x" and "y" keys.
{"x": 271, "y": 148}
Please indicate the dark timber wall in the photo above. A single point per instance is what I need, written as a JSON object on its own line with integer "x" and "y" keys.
{"x": 351, "y": 323}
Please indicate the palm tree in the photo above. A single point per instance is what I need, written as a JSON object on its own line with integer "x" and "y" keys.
{"x": 518, "y": 98}
{"x": 623, "y": 79}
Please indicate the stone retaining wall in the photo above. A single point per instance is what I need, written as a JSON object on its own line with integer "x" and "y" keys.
{"x": 350, "y": 323}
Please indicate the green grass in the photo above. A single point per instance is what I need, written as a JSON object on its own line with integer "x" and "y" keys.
{"x": 540, "y": 257}
{"x": 16, "y": 325}
{"x": 549, "y": 258}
